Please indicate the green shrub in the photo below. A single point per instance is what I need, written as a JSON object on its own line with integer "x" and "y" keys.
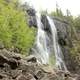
{"x": 14, "y": 30}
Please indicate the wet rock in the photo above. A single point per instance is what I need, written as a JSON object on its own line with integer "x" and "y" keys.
{"x": 3, "y": 77}
{"x": 45, "y": 23}
{"x": 31, "y": 12}
{"x": 31, "y": 58}
{"x": 40, "y": 74}
{"x": 32, "y": 21}
{"x": 32, "y": 17}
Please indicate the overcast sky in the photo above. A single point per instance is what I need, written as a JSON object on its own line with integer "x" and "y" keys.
{"x": 50, "y": 5}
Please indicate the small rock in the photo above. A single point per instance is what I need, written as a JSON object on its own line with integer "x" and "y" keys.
{"x": 27, "y": 77}
{"x": 40, "y": 74}
{"x": 15, "y": 73}
{"x": 31, "y": 58}
{"x": 13, "y": 63}
{"x": 3, "y": 59}
{"x": 2, "y": 76}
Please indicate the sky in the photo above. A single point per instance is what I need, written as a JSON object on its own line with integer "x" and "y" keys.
{"x": 50, "y": 5}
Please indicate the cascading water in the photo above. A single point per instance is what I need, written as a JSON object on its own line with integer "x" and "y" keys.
{"x": 41, "y": 42}
{"x": 42, "y": 51}
{"x": 57, "y": 50}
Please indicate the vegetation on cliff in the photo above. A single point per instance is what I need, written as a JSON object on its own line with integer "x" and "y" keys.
{"x": 14, "y": 30}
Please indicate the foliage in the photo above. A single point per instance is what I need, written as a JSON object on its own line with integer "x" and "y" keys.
{"x": 44, "y": 12}
{"x": 77, "y": 22}
{"x": 58, "y": 13}
{"x": 14, "y": 31}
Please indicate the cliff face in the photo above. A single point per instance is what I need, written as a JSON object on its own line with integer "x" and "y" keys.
{"x": 64, "y": 36}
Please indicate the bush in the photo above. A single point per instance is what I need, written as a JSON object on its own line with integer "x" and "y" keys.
{"x": 14, "y": 31}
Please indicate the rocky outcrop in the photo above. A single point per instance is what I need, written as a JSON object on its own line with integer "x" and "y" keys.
{"x": 32, "y": 17}
{"x": 31, "y": 12}
{"x": 63, "y": 28}
{"x": 18, "y": 67}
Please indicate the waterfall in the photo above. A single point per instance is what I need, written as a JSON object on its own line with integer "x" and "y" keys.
{"x": 57, "y": 49}
{"x": 42, "y": 51}
{"x": 41, "y": 42}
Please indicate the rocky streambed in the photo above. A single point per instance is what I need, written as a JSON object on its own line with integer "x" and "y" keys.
{"x": 14, "y": 66}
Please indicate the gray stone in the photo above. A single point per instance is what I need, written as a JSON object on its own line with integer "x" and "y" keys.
{"x": 25, "y": 77}
{"x": 13, "y": 63}
{"x": 3, "y": 59}
{"x": 31, "y": 11}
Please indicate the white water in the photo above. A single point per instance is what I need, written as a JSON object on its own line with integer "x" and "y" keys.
{"x": 57, "y": 50}
{"x": 41, "y": 43}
